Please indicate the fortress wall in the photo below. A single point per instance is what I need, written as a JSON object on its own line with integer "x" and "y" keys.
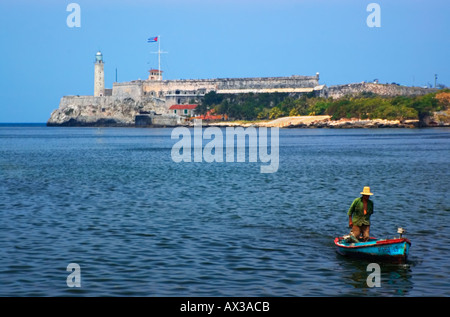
{"x": 108, "y": 102}
{"x": 268, "y": 82}
{"x": 132, "y": 89}
{"x": 228, "y": 84}
{"x": 190, "y": 90}
{"x": 84, "y": 101}
{"x": 171, "y": 86}
{"x": 379, "y": 89}
{"x": 265, "y": 90}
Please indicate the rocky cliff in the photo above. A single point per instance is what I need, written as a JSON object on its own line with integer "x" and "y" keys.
{"x": 102, "y": 111}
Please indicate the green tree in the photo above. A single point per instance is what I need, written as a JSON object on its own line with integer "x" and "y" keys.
{"x": 424, "y": 105}
{"x": 275, "y": 113}
{"x": 263, "y": 114}
{"x": 293, "y": 112}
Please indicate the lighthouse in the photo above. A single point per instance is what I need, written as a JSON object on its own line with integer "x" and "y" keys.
{"x": 99, "y": 75}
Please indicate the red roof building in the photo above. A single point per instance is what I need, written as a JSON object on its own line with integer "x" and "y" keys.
{"x": 155, "y": 74}
{"x": 183, "y": 110}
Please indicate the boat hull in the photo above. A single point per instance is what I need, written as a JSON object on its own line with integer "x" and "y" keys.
{"x": 395, "y": 250}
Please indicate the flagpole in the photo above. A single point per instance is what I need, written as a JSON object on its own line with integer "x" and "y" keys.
{"x": 159, "y": 57}
{"x": 158, "y": 39}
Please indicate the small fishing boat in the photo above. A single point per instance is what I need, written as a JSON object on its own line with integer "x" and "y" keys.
{"x": 396, "y": 249}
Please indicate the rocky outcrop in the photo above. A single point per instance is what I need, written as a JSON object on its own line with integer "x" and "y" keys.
{"x": 357, "y": 123}
{"x": 101, "y": 111}
{"x": 437, "y": 119}
{"x": 390, "y": 90}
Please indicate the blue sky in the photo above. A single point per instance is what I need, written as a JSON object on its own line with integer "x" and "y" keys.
{"x": 42, "y": 59}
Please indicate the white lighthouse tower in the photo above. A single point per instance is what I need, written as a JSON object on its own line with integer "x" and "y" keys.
{"x": 99, "y": 76}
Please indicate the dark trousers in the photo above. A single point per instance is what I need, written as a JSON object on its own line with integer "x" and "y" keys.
{"x": 362, "y": 230}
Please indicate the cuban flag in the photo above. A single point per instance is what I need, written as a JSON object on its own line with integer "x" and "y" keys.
{"x": 152, "y": 39}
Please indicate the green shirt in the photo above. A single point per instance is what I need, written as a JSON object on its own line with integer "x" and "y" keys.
{"x": 357, "y": 212}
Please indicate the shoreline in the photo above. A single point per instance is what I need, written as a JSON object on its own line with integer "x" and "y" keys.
{"x": 331, "y": 124}
{"x": 292, "y": 122}
{"x": 315, "y": 122}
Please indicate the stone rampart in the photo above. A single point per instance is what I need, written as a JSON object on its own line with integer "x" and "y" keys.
{"x": 82, "y": 101}
{"x": 139, "y": 88}
{"x": 390, "y": 90}
{"x": 132, "y": 89}
{"x": 184, "y": 91}
{"x": 268, "y": 82}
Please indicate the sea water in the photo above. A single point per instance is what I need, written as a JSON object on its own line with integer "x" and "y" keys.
{"x": 112, "y": 201}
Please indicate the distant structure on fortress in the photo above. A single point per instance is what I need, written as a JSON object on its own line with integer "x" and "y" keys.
{"x": 188, "y": 91}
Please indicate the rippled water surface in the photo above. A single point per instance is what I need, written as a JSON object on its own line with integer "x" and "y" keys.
{"x": 139, "y": 224}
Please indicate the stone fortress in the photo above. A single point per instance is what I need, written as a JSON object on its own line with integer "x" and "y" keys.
{"x": 147, "y": 102}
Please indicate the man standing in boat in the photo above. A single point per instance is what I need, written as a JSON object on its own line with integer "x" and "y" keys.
{"x": 359, "y": 215}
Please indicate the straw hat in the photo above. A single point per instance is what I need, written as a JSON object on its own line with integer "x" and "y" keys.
{"x": 366, "y": 191}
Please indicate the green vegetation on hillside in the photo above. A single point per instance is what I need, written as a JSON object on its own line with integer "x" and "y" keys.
{"x": 364, "y": 106}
